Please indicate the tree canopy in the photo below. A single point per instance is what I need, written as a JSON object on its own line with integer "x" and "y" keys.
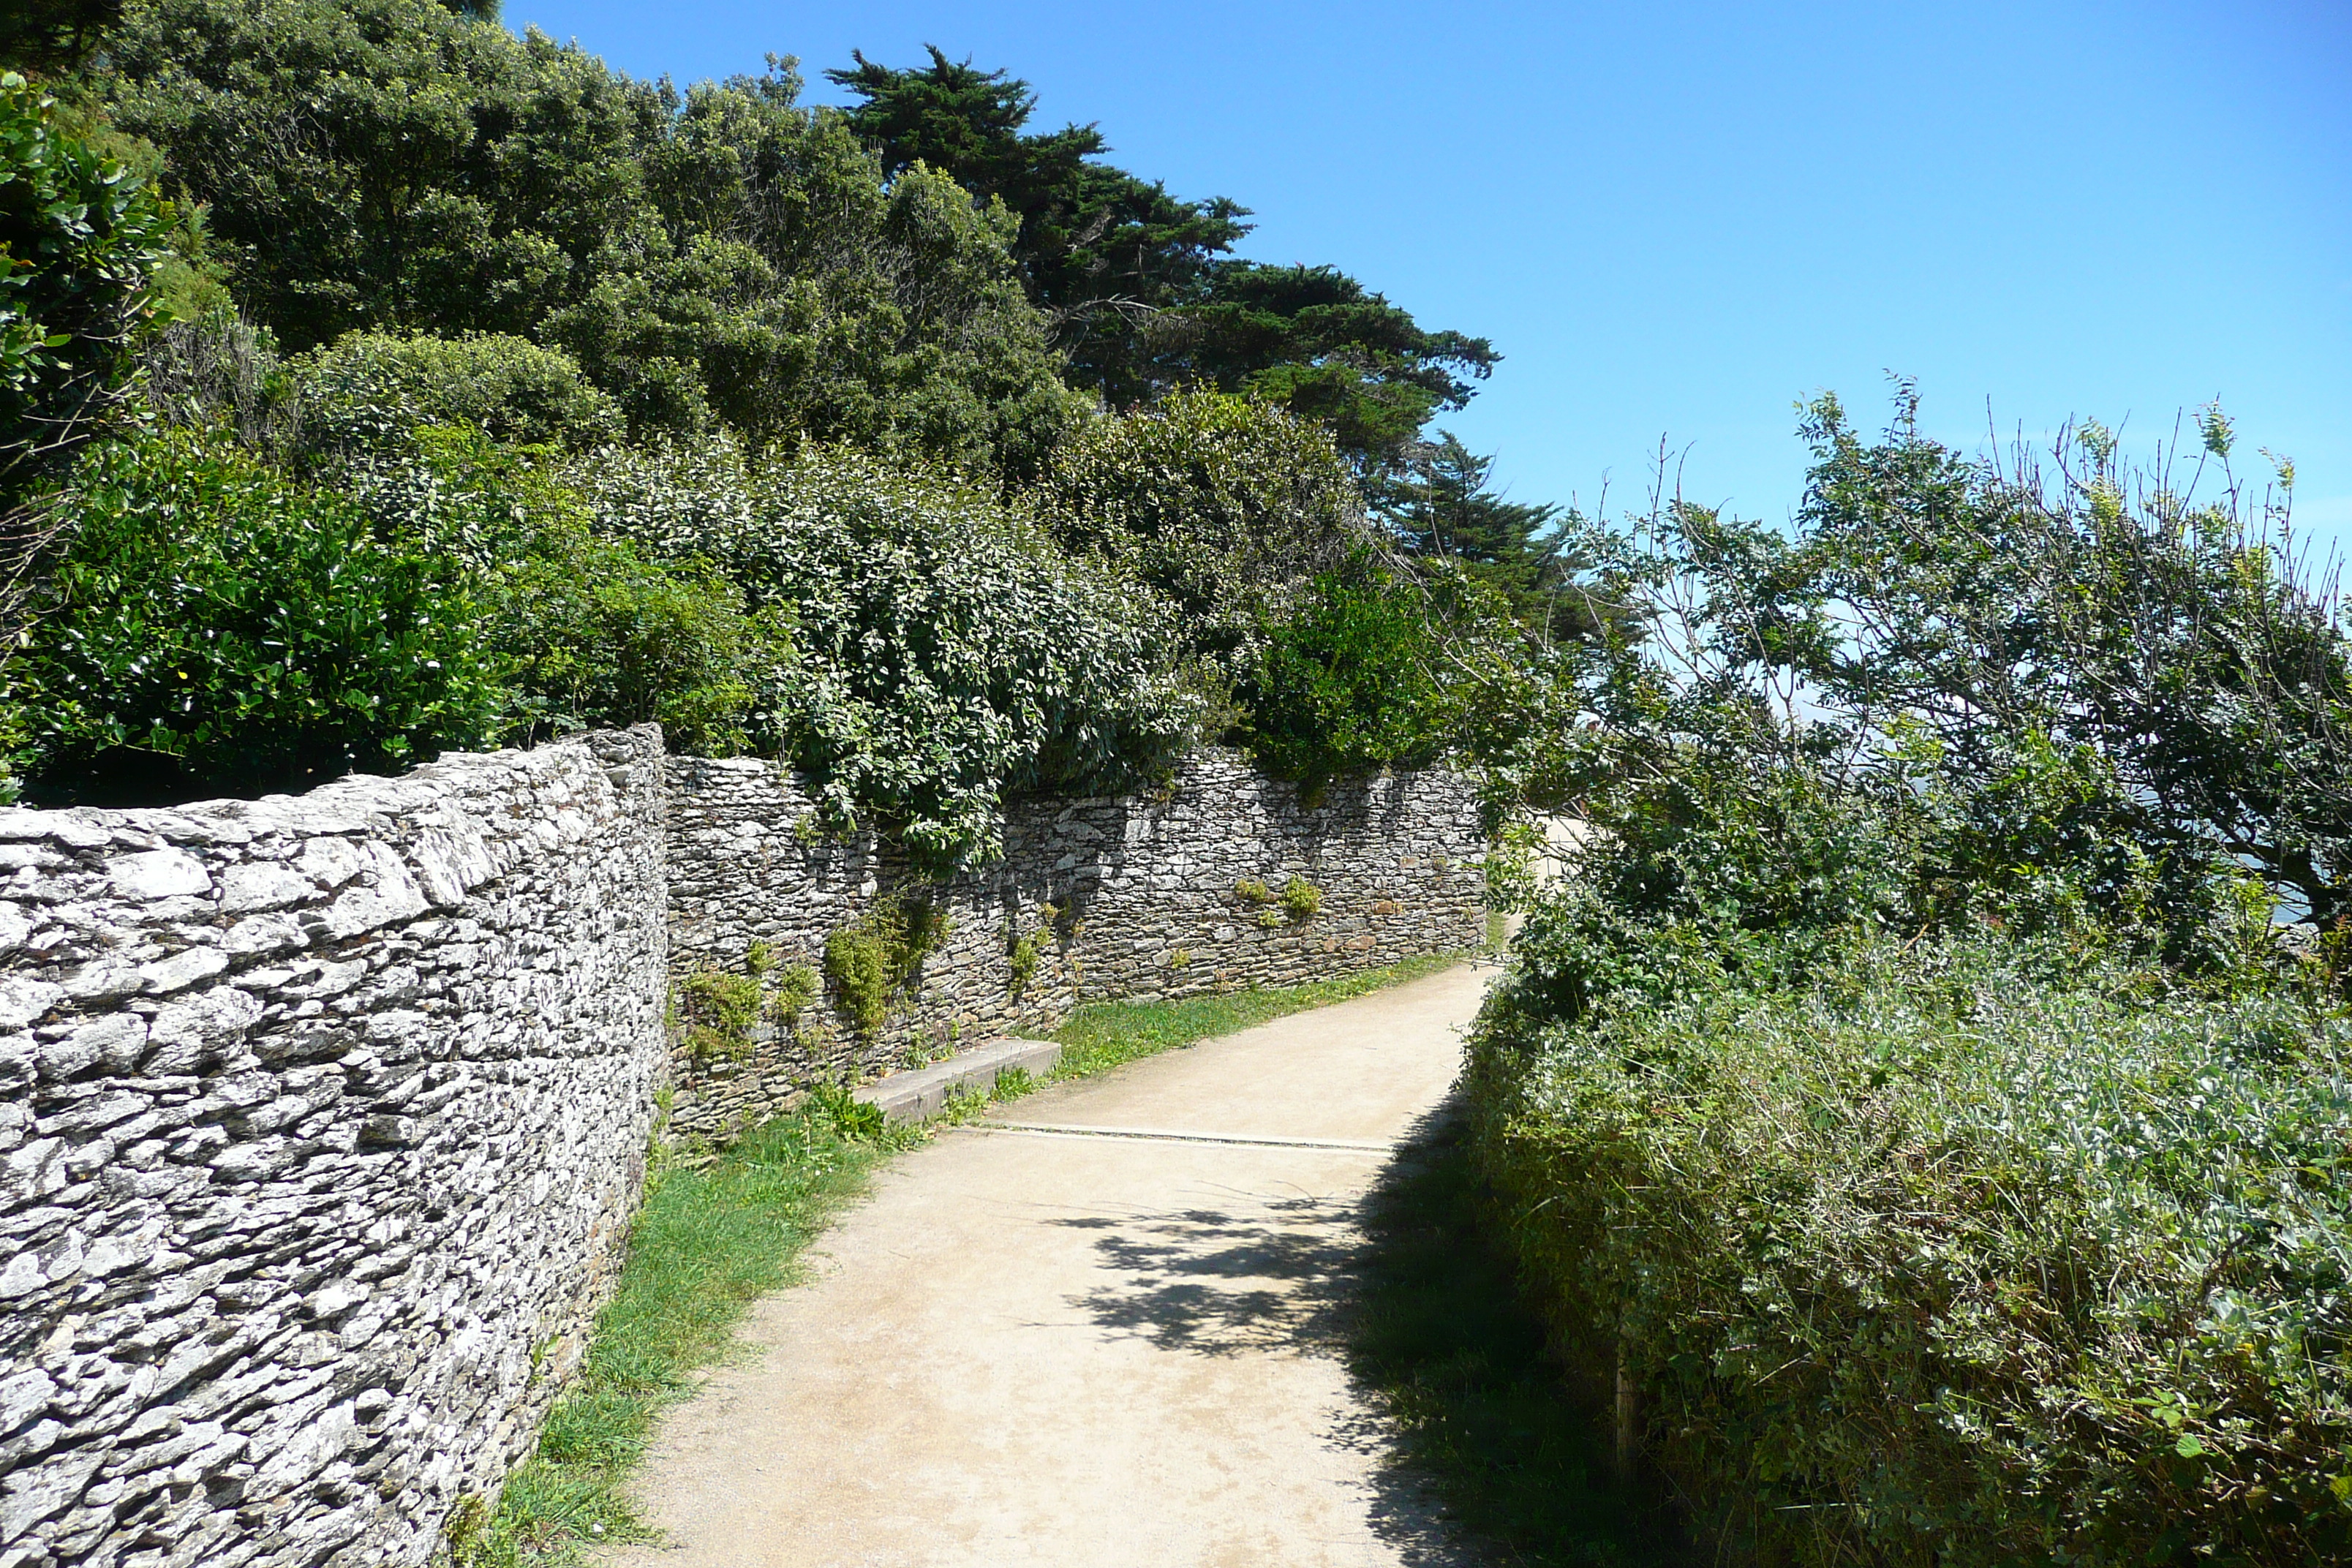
{"x": 1140, "y": 286}
{"x": 719, "y": 255}
{"x": 1100, "y": 249}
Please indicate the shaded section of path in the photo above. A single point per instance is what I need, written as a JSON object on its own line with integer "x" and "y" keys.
{"x": 1057, "y": 1348}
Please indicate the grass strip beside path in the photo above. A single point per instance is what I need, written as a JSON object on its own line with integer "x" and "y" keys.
{"x": 711, "y": 1241}
{"x": 1105, "y": 1033}
{"x": 705, "y": 1245}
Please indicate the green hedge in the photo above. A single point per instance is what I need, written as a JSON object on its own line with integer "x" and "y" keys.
{"x": 1976, "y": 1253}
{"x": 215, "y": 628}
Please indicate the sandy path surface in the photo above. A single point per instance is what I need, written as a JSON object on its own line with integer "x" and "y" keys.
{"x": 1086, "y": 1347}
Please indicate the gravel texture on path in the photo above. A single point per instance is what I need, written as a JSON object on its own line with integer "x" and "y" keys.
{"x": 1101, "y": 1329}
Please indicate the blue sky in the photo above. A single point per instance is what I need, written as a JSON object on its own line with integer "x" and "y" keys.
{"x": 1677, "y": 219}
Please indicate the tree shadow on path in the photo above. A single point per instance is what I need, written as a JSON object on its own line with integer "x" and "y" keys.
{"x": 1483, "y": 1455}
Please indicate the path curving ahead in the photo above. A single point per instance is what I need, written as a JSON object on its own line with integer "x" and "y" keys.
{"x": 1106, "y": 1346}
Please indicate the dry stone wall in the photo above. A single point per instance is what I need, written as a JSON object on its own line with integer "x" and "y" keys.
{"x": 323, "y": 1119}
{"x": 321, "y": 1122}
{"x": 1134, "y": 897}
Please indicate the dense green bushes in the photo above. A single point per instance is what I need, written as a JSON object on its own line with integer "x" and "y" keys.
{"x": 600, "y": 637}
{"x": 1910, "y": 1088}
{"x": 686, "y": 407}
{"x": 215, "y": 628}
{"x": 947, "y": 651}
{"x": 1960, "y": 1252}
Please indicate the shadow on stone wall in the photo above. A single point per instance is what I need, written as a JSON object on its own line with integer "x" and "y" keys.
{"x": 1150, "y": 895}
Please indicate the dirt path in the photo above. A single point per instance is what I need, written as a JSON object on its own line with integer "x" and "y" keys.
{"x": 1094, "y": 1347}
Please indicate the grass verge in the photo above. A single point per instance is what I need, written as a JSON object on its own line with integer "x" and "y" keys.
{"x": 707, "y": 1243}
{"x": 1484, "y": 1425}
{"x": 1103, "y": 1034}
{"x": 711, "y": 1241}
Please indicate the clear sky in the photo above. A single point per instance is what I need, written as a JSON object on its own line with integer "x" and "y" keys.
{"x": 1677, "y": 218}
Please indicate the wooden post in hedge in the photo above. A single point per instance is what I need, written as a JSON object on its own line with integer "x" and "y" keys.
{"x": 1628, "y": 1419}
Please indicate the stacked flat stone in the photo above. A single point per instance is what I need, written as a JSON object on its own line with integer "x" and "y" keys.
{"x": 1148, "y": 887}
{"x": 325, "y": 1120}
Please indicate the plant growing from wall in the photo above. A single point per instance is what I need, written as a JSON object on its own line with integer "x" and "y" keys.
{"x": 796, "y": 987}
{"x": 1301, "y": 900}
{"x": 1023, "y": 954}
{"x": 720, "y": 1010}
{"x": 870, "y": 961}
{"x": 857, "y": 967}
{"x": 1252, "y": 890}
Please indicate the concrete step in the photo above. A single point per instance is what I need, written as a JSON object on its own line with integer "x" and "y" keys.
{"x": 911, "y": 1096}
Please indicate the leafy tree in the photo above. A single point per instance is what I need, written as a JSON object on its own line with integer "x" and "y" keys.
{"x": 386, "y": 164}
{"x": 811, "y": 300}
{"x": 1345, "y": 683}
{"x": 1143, "y": 293}
{"x": 2170, "y": 643}
{"x": 2068, "y": 698}
{"x": 1100, "y": 249}
{"x": 1319, "y": 344}
{"x": 81, "y": 238}
{"x": 716, "y": 256}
